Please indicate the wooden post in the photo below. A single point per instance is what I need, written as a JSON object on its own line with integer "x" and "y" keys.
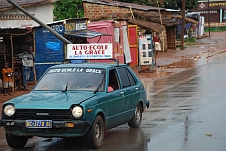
{"x": 12, "y": 62}
{"x": 160, "y": 17}
{"x": 209, "y": 16}
{"x": 4, "y": 51}
{"x": 183, "y": 24}
{"x": 131, "y": 12}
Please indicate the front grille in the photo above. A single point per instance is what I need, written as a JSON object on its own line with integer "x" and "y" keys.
{"x": 42, "y": 114}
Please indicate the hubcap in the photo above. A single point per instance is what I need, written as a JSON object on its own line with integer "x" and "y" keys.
{"x": 98, "y": 134}
{"x": 137, "y": 112}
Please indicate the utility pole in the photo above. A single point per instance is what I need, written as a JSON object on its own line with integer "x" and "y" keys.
{"x": 209, "y": 16}
{"x": 183, "y": 24}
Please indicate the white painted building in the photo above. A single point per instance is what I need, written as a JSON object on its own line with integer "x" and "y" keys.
{"x": 11, "y": 17}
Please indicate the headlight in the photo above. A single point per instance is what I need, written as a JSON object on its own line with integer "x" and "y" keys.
{"x": 9, "y": 110}
{"x": 77, "y": 111}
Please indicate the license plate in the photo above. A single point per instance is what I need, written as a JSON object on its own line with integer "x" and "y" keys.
{"x": 38, "y": 124}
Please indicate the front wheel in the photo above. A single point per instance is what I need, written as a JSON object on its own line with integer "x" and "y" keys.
{"x": 16, "y": 141}
{"x": 95, "y": 136}
{"x": 136, "y": 119}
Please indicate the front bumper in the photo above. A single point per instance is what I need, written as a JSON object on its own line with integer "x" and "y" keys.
{"x": 61, "y": 128}
{"x": 55, "y": 124}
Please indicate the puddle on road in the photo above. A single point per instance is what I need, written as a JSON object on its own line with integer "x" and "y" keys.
{"x": 163, "y": 119}
{"x": 185, "y": 109}
{"x": 155, "y": 111}
{"x": 162, "y": 71}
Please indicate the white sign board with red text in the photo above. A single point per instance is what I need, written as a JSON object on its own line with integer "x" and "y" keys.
{"x": 89, "y": 51}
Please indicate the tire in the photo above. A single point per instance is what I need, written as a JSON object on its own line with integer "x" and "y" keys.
{"x": 16, "y": 141}
{"x": 95, "y": 136}
{"x": 136, "y": 119}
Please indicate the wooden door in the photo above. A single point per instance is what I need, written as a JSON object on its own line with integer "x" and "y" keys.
{"x": 133, "y": 44}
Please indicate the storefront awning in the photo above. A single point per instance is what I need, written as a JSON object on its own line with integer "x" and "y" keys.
{"x": 85, "y": 33}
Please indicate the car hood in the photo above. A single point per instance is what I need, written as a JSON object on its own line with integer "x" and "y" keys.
{"x": 51, "y": 100}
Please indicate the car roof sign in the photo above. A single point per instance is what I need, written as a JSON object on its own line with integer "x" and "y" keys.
{"x": 89, "y": 51}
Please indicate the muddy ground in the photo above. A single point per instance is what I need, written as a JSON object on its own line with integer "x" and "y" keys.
{"x": 195, "y": 54}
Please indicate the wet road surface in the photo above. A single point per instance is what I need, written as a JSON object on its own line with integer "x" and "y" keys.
{"x": 187, "y": 113}
{"x": 188, "y": 109}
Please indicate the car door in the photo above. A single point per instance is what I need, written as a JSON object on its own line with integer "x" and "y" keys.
{"x": 130, "y": 88}
{"x": 116, "y": 99}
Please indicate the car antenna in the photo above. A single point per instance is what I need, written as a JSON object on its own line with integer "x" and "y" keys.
{"x": 65, "y": 90}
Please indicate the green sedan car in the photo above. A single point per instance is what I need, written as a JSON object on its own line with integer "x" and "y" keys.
{"x": 76, "y": 100}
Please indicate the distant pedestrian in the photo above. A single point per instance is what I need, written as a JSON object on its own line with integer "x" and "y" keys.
{"x": 28, "y": 63}
{"x": 157, "y": 44}
{"x": 157, "y": 41}
{"x": 7, "y": 74}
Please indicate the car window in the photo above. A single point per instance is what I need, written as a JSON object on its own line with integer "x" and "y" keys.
{"x": 113, "y": 79}
{"x": 126, "y": 77}
{"x": 130, "y": 77}
{"x": 74, "y": 78}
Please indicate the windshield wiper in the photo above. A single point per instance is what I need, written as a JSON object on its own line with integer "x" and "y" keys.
{"x": 99, "y": 84}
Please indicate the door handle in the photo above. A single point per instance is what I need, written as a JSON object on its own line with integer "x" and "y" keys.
{"x": 122, "y": 92}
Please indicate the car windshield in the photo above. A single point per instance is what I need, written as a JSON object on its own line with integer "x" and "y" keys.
{"x": 64, "y": 79}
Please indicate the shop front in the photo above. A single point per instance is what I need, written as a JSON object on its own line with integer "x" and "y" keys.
{"x": 213, "y": 11}
{"x": 50, "y": 50}
{"x": 14, "y": 41}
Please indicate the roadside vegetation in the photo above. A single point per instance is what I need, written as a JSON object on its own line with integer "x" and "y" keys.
{"x": 189, "y": 42}
{"x": 65, "y": 9}
{"x": 215, "y": 29}
{"x": 192, "y": 41}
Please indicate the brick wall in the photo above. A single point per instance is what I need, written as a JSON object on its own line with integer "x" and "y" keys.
{"x": 97, "y": 10}
{"x": 92, "y": 11}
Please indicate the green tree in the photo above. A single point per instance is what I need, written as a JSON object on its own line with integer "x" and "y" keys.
{"x": 177, "y": 4}
{"x": 65, "y": 9}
